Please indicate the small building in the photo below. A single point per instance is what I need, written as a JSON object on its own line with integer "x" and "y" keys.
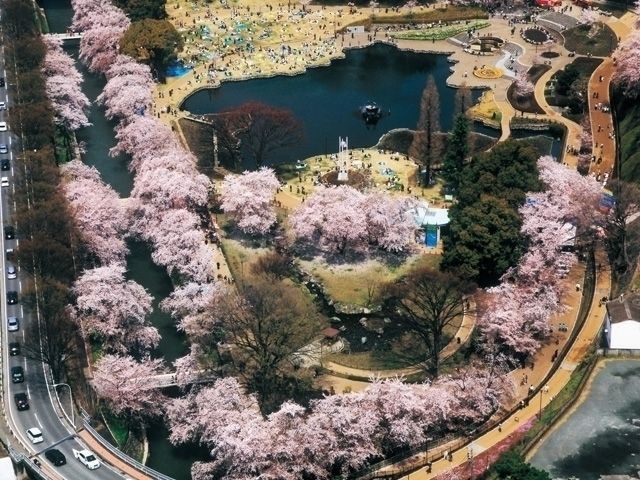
{"x": 431, "y": 221}
{"x": 622, "y": 323}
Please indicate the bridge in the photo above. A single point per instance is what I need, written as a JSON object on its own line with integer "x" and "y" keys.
{"x": 65, "y": 37}
{"x": 169, "y": 379}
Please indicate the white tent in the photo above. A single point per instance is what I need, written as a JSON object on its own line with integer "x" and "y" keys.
{"x": 625, "y": 335}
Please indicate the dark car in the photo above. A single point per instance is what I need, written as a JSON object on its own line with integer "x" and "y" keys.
{"x": 14, "y": 348}
{"x": 17, "y": 374}
{"x": 22, "y": 401}
{"x": 5, "y": 164}
{"x": 12, "y": 297}
{"x": 55, "y": 456}
{"x": 9, "y": 232}
{"x": 1, "y": 81}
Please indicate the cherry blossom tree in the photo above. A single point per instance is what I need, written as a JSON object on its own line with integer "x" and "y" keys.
{"x": 128, "y": 89}
{"x": 191, "y": 306}
{"x": 97, "y": 211}
{"x": 248, "y": 199}
{"x": 114, "y": 309}
{"x": 523, "y": 86}
{"x": 390, "y": 224}
{"x": 63, "y": 86}
{"x": 102, "y": 24}
{"x": 332, "y": 218}
{"x": 125, "y": 384}
{"x": 627, "y": 74}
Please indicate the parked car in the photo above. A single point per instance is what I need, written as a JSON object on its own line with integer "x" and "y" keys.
{"x": 3, "y": 106}
{"x": 13, "y": 325}
{"x": 5, "y": 164}
{"x": 14, "y": 348}
{"x": 9, "y": 232}
{"x": 35, "y": 435}
{"x": 5, "y": 181}
{"x": 87, "y": 458}
{"x": 22, "y": 401}
{"x": 3, "y": 126}
{"x": 3, "y": 148}
{"x": 17, "y": 374}
{"x": 12, "y": 273}
{"x": 56, "y": 457}
{"x": 12, "y": 297}
{"x": 2, "y": 82}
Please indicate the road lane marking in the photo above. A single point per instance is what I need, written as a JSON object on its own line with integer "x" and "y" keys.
{"x": 38, "y": 420}
{"x": 22, "y": 314}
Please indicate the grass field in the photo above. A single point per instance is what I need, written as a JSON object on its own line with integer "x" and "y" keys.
{"x": 357, "y": 284}
{"x": 440, "y": 32}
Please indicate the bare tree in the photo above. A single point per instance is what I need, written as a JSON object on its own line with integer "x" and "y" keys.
{"x": 430, "y": 302}
{"x": 257, "y": 129}
{"x": 426, "y": 146}
{"x": 265, "y": 325}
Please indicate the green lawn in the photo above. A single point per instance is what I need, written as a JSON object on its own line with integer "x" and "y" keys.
{"x": 440, "y": 32}
{"x": 358, "y": 283}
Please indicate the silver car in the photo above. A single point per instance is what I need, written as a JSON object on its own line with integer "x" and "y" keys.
{"x": 13, "y": 325}
{"x": 11, "y": 272}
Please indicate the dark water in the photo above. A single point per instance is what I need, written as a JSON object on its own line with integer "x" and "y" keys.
{"x": 602, "y": 437}
{"x": 326, "y": 100}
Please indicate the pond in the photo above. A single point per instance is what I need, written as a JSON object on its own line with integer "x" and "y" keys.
{"x": 602, "y": 436}
{"x": 327, "y": 101}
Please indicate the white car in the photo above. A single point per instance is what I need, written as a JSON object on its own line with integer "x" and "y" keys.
{"x": 3, "y": 126}
{"x": 5, "y": 181}
{"x": 87, "y": 458}
{"x": 3, "y": 106}
{"x": 11, "y": 272}
{"x": 35, "y": 435}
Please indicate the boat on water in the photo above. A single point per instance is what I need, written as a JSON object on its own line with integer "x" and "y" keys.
{"x": 371, "y": 112}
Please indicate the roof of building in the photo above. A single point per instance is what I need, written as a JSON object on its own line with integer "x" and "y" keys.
{"x": 330, "y": 332}
{"x": 625, "y": 307}
{"x": 430, "y": 216}
{"x": 625, "y": 335}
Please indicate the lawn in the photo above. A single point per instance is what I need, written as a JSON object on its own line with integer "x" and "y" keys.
{"x": 486, "y": 110}
{"x": 440, "y": 32}
{"x": 357, "y": 284}
{"x": 601, "y": 44}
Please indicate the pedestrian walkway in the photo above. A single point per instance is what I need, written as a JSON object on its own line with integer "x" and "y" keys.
{"x": 558, "y": 380}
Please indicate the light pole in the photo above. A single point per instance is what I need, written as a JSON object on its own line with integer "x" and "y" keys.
{"x": 73, "y": 422}
{"x": 426, "y": 453}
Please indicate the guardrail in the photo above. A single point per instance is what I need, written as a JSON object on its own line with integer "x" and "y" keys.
{"x": 86, "y": 422}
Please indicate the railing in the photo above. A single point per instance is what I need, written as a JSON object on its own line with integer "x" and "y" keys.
{"x": 86, "y": 422}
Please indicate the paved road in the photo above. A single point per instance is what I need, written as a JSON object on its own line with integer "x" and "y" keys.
{"x": 41, "y": 414}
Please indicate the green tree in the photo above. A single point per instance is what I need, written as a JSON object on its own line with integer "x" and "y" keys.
{"x": 483, "y": 240}
{"x": 511, "y": 466}
{"x": 155, "y": 42}
{"x": 140, "y": 9}
{"x": 426, "y": 146}
{"x": 456, "y": 152}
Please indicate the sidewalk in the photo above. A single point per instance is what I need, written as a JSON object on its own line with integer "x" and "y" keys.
{"x": 559, "y": 379}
